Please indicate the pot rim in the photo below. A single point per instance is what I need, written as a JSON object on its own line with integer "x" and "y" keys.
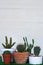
{"x": 35, "y": 56}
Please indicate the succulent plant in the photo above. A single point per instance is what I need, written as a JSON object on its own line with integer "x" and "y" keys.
{"x": 8, "y": 44}
{"x": 28, "y": 46}
{"x": 37, "y": 50}
{"x": 25, "y": 47}
{"x": 20, "y": 48}
{"x": 6, "y": 52}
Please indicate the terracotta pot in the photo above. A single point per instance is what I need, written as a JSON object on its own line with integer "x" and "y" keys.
{"x": 21, "y": 57}
{"x": 7, "y": 58}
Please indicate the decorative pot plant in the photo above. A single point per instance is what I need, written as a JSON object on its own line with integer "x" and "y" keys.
{"x": 28, "y": 46}
{"x": 22, "y": 53}
{"x": 8, "y": 45}
{"x": 7, "y": 57}
{"x": 36, "y": 59}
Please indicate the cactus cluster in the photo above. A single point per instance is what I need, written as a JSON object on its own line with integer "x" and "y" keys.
{"x": 8, "y": 44}
{"x": 37, "y": 50}
{"x": 25, "y": 47}
{"x": 28, "y": 46}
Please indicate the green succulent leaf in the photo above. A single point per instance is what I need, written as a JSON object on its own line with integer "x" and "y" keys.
{"x": 6, "y": 40}
{"x": 3, "y": 45}
{"x": 10, "y": 41}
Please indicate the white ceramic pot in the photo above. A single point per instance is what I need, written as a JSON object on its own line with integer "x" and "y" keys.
{"x": 11, "y": 50}
{"x": 35, "y": 60}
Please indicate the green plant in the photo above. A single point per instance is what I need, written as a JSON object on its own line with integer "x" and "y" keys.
{"x": 25, "y": 42}
{"x": 6, "y": 52}
{"x": 20, "y": 48}
{"x": 25, "y": 47}
{"x": 37, "y": 50}
{"x": 28, "y": 46}
{"x": 8, "y": 44}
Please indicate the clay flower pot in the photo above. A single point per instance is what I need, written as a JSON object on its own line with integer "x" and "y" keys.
{"x": 21, "y": 57}
{"x": 7, "y": 58}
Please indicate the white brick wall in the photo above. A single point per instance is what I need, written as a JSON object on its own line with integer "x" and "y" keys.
{"x": 20, "y": 18}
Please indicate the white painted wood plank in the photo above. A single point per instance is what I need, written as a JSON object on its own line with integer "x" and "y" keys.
{"x": 29, "y": 15}
{"x": 21, "y": 3}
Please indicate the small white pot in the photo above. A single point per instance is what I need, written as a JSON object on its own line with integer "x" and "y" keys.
{"x": 35, "y": 60}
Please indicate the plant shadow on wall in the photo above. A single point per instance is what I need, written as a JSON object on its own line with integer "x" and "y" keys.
{"x": 23, "y": 51}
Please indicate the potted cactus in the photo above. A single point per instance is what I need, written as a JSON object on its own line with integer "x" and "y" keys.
{"x": 8, "y": 45}
{"x": 22, "y": 53}
{"x": 7, "y": 57}
{"x": 28, "y": 46}
{"x": 36, "y": 58}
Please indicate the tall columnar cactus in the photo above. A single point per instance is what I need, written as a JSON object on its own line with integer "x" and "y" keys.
{"x": 8, "y": 44}
{"x": 28, "y": 46}
{"x": 25, "y": 42}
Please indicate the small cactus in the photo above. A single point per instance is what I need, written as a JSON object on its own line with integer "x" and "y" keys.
{"x": 6, "y": 52}
{"x": 20, "y": 48}
{"x": 37, "y": 50}
{"x": 8, "y": 44}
